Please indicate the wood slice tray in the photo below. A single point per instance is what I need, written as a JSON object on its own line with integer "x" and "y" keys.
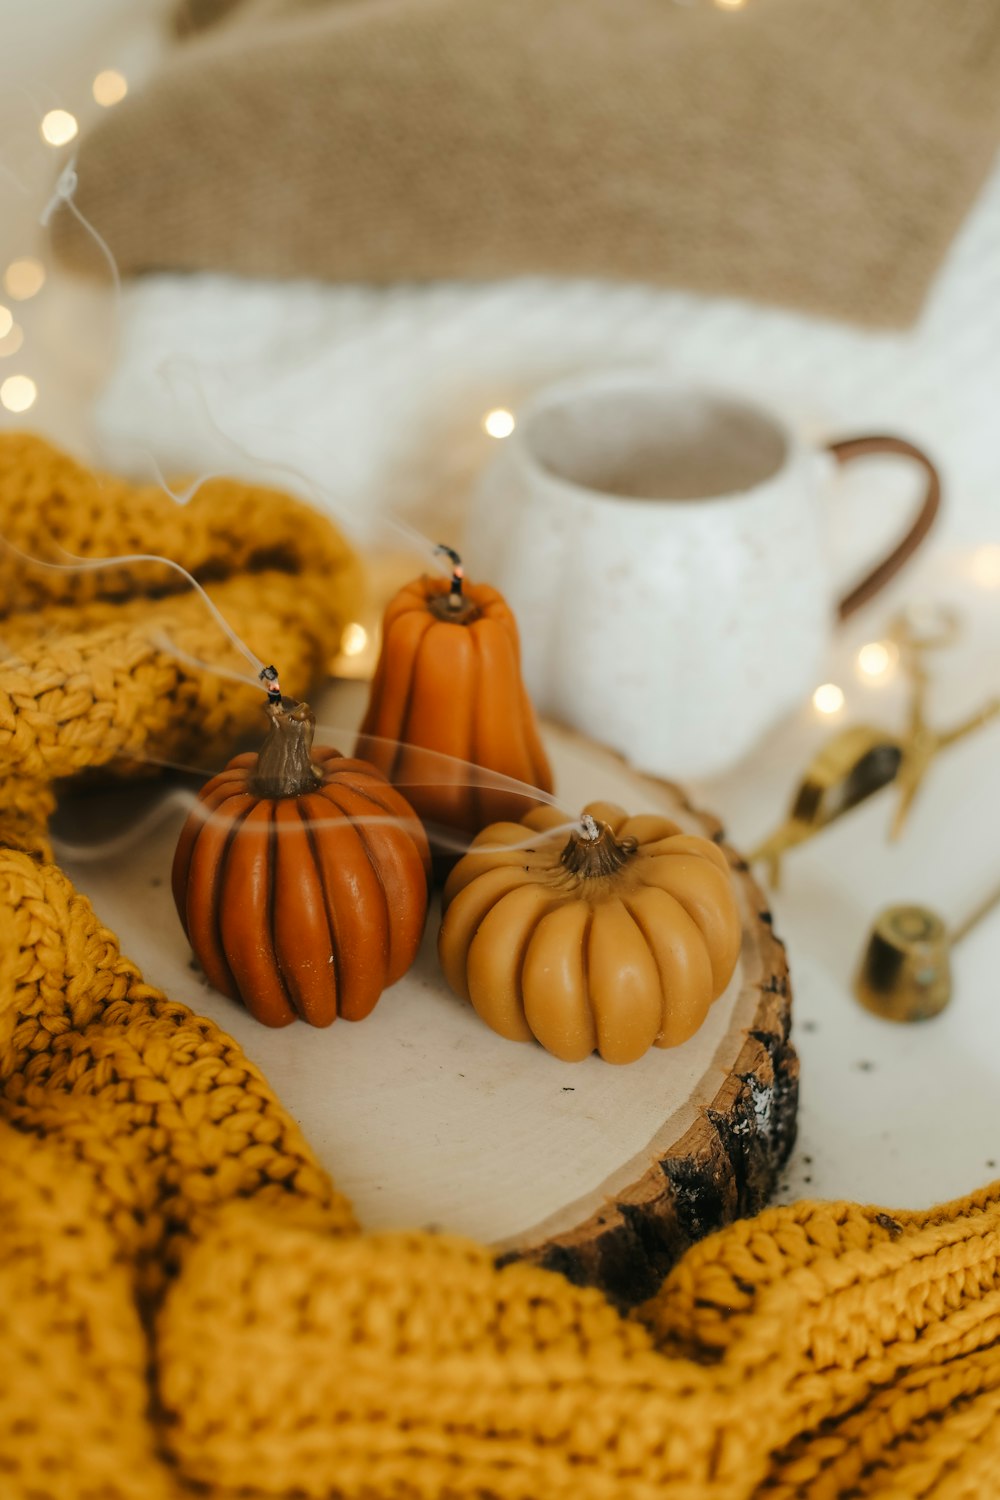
{"x": 425, "y": 1117}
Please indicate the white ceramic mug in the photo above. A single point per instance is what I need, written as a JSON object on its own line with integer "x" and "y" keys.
{"x": 664, "y": 552}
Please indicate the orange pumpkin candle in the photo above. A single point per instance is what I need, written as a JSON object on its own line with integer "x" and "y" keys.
{"x": 301, "y": 877}
{"x": 616, "y": 940}
{"x": 449, "y": 680}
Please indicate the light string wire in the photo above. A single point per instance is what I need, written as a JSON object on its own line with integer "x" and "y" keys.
{"x": 64, "y": 196}
{"x": 179, "y": 368}
{"x": 93, "y": 565}
{"x": 436, "y": 769}
{"x": 189, "y": 801}
{"x": 453, "y": 770}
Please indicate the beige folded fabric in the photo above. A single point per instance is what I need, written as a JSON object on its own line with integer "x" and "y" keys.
{"x": 815, "y": 153}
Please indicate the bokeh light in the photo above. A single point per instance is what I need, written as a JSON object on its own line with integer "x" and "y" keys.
{"x": 12, "y": 340}
{"x": 18, "y": 392}
{"x": 59, "y": 127}
{"x": 877, "y": 659}
{"x": 354, "y": 639}
{"x": 110, "y": 87}
{"x": 828, "y": 698}
{"x": 985, "y": 566}
{"x": 499, "y": 423}
{"x": 23, "y": 278}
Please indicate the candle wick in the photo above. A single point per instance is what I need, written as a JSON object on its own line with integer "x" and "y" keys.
{"x": 272, "y": 687}
{"x": 455, "y": 600}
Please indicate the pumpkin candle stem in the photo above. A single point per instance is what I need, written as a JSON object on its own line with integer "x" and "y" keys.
{"x": 595, "y": 851}
{"x": 284, "y": 765}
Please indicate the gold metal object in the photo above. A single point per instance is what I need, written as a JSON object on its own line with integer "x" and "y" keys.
{"x": 860, "y": 760}
{"x": 905, "y": 973}
{"x": 851, "y": 766}
{"x": 905, "y": 970}
{"x": 915, "y": 634}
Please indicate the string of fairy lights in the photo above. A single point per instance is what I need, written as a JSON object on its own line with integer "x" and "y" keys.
{"x": 876, "y": 661}
{"x": 24, "y": 278}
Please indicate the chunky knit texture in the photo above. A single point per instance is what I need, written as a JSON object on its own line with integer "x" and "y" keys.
{"x": 187, "y": 1307}
{"x": 816, "y": 155}
{"x": 106, "y": 666}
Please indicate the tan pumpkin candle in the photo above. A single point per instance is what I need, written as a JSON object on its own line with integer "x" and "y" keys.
{"x": 301, "y": 878}
{"x": 449, "y": 680}
{"x": 615, "y": 939}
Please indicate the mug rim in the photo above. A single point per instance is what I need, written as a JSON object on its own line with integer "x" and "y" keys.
{"x": 647, "y": 381}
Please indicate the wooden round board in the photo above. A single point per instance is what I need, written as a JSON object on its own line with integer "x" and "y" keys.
{"x": 425, "y": 1117}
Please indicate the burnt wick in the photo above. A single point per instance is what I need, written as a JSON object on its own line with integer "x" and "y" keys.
{"x": 455, "y": 599}
{"x": 269, "y": 677}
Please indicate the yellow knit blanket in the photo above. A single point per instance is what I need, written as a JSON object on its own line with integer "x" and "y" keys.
{"x": 187, "y": 1307}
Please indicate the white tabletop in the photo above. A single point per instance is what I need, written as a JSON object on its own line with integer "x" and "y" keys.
{"x": 903, "y": 1115}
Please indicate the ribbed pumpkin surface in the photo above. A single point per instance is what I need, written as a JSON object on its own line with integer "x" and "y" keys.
{"x": 453, "y": 685}
{"x": 305, "y": 905}
{"x": 613, "y": 943}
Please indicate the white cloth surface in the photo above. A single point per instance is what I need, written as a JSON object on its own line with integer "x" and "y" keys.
{"x": 375, "y": 397}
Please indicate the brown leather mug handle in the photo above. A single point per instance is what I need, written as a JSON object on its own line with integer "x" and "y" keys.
{"x": 860, "y": 447}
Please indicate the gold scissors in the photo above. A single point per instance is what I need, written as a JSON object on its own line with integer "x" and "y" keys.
{"x": 915, "y": 633}
{"x": 850, "y": 767}
{"x": 860, "y": 760}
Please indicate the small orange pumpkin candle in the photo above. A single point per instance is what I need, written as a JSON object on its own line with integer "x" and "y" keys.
{"x": 614, "y": 940}
{"x": 300, "y": 877}
{"x": 449, "y": 680}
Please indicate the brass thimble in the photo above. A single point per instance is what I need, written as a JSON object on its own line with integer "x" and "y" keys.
{"x": 905, "y": 972}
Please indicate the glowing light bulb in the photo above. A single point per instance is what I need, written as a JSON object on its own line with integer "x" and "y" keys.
{"x": 12, "y": 340}
{"x": 499, "y": 423}
{"x": 877, "y": 658}
{"x": 828, "y": 698}
{"x": 18, "y": 393}
{"x": 354, "y": 639}
{"x": 985, "y": 566}
{"x": 58, "y": 127}
{"x": 110, "y": 87}
{"x": 23, "y": 278}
